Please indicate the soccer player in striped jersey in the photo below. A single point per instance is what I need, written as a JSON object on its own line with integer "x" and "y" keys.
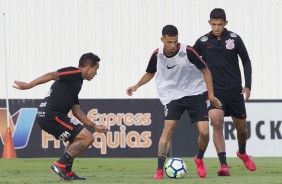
{"x": 52, "y": 115}
{"x": 183, "y": 82}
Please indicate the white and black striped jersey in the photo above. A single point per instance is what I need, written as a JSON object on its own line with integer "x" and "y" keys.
{"x": 179, "y": 75}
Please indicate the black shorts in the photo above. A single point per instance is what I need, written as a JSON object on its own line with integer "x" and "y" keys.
{"x": 233, "y": 104}
{"x": 60, "y": 126}
{"x": 196, "y": 106}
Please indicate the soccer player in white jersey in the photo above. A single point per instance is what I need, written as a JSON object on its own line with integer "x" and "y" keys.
{"x": 183, "y": 82}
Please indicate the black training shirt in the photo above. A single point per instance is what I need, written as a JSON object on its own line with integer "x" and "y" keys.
{"x": 221, "y": 56}
{"x": 63, "y": 93}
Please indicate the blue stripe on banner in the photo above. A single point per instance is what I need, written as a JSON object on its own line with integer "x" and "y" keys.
{"x": 23, "y": 127}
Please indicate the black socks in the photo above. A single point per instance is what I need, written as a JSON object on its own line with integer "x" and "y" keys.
{"x": 201, "y": 153}
{"x": 161, "y": 162}
{"x": 222, "y": 158}
{"x": 65, "y": 158}
{"x": 242, "y": 148}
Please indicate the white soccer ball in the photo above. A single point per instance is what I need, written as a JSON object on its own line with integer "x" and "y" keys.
{"x": 175, "y": 168}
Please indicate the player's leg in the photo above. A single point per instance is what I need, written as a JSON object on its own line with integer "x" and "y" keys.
{"x": 162, "y": 147}
{"x": 70, "y": 163}
{"x": 242, "y": 134}
{"x": 62, "y": 127}
{"x": 173, "y": 112}
{"x": 217, "y": 121}
{"x": 69, "y": 171}
{"x": 81, "y": 142}
{"x": 168, "y": 149}
{"x": 203, "y": 141}
{"x": 196, "y": 106}
{"x": 51, "y": 126}
{"x": 238, "y": 111}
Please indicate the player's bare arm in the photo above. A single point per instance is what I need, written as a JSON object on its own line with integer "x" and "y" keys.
{"x": 208, "y": 80}
{"x": 83, "y": 118}
{"x": 40, "y": 80}
{"x": 145, "y": 79}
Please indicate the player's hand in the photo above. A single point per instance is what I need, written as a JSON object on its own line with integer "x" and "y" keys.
{"x": 216, "y": 102}
{"x": 131, "y": 89}
{"x": 100, "y": 128}
{"x": 21, "y": 85}
{"x": 246, "y": 93}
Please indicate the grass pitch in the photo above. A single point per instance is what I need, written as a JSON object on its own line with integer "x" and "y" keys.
{"x": 137, "y": 171}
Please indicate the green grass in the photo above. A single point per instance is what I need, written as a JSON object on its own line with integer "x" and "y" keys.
{"x": 137, "y": 170}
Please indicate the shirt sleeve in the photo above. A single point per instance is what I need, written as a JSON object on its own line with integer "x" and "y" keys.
{"x": 76, "y": 101}
{"x": 152, "y": 65}
{"x": 246, "y": 62}
{"x": 194, "y": 58}
{"x": 69, "y": 74}
{"x": 197, "y": 47}
{"x": 248, "y": 74}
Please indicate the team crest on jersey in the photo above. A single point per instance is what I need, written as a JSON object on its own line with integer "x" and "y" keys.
{"x": 160, "y": 56}
{"x": 230, "y": 44}
{"x": 234, "y": 35}
{"x": 182, "y": 54}
{"x": 204, "y": 38}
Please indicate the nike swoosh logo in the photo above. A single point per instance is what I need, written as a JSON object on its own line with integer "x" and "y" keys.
{"x": 170, "y": 67}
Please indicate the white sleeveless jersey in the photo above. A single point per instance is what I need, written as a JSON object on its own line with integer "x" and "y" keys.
{"x": 177, "y": 77}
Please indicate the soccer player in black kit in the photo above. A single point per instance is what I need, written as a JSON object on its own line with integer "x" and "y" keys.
{"x": 52, "y": 115}
{"x": 220, "y": 49}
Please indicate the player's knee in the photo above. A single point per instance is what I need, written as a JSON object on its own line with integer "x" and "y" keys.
{"x": 90, "y": 138}
{"x": 204, "y": 135}
{"x": 217, "y": 125}
{"x": 242, "y": 130}
{"x": 86, "y": 136}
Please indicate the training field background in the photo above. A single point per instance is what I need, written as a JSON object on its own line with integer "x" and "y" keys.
{"x": 138, "y": 171}
{"x": 45, "y": 35}
{"x": 38, "y": 36}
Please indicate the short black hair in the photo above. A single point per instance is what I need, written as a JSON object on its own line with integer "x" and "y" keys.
{"x": 88, "y": 59}
{"x": 170, "y": 30}
{"x": 218, "y": 13}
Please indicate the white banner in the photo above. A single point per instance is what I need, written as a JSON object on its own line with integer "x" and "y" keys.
{"x": 265, "y": 131}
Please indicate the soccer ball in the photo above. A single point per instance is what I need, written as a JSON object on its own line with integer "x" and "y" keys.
{"x": 175, "y": 168}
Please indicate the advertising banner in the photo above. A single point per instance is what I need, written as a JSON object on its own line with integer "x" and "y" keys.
{"x": 264, "y": 131}
{"x": 135, "y": 127}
